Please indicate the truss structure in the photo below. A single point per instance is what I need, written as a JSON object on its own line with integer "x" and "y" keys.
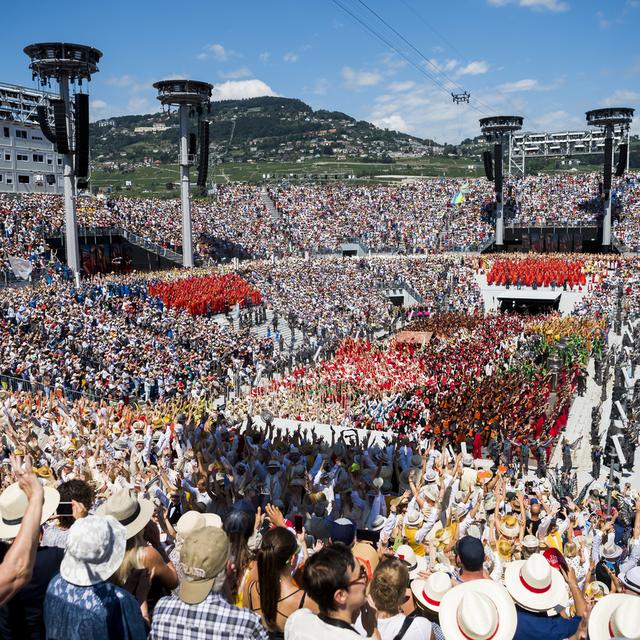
{"x": 560, "y": 144}
{"x": 19, "y": 104}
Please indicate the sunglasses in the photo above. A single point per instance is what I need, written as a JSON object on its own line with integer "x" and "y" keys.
{"x": 363, "y": 575}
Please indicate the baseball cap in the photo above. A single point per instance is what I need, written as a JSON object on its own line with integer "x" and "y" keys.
{"x": 471, "y": 553}
{"x": 203, "y": 556}
{"x": 342, "y": 530}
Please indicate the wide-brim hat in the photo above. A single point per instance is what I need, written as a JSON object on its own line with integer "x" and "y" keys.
{"x": 431, "y": 492}
{"x": 615, "y": 616}
{"x": 367, "y": 555}
{"x": 631, "y": 579}
{"x": 430, "y": 476}
{"x": 534, "y": 584}
{"x": 429, "y": 593}
{"x": 413, "y": 562}
{"x": 596, "y": 589}
{"x": 95, "y": 549}
{"x": 530, "y": 542}
{"x": 611, "y": 551}
{"x": 477, "y": 610}
{"x": 14, "y": 504}
{"x": 414, "y": 518}
{"x": 131, "y": 512}
{"x": 509, "y": 526}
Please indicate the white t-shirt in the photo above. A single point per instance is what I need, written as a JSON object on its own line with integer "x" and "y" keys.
{"x": 305, "y": 625}
{"x": 420, "y": 628}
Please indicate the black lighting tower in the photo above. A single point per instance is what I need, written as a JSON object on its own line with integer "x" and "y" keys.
{"x": 498, "y": 129}
{"x": 188, "y": 95}
{"x": 610, "y": 120}
{"x": 65, "y": 63}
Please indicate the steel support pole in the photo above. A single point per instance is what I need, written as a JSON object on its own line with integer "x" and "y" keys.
{"x": 500, "y": 206}
{"x": 187, "y": 242}
{"x": 606, "y": 221}
{"x": 70, "y": 221}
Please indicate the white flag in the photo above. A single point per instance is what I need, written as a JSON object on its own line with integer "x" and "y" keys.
{"x": 21, "y": 267}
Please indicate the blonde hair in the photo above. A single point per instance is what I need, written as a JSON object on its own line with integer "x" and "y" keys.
{"x": 133, "y": 559}
{"x": 389, "y": 585}
{"x": 570, "y": 549}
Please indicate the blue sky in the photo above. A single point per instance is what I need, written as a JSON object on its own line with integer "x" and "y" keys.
{"x": 549, "y": 60}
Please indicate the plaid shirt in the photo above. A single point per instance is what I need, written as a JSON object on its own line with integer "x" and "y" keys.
{"x": 213, "y": 619}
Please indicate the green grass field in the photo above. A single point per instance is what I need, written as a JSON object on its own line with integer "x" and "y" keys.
{"x": 153, "y": 181}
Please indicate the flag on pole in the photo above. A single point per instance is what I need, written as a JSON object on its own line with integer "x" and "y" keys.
{"x": 21, "y": 267}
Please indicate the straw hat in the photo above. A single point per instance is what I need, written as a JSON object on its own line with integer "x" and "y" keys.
{"x": 430, "y": 476}
{"x": 431, "y": 492}
{"x": 596, "y": 590}
{"x": 367, "y": 555}
{"x": 510, "y": 526}
{"x": 478, "y": 610}
{"x": 95, "y": 549}
{"x": 429, "y": 593}
{"x": 13, "y": 506}
{"x": 504, "y": 549}
{"x": 530, "y": 542}
{"x": 132, "y": 513}
{"x": 415, "y": 563}
{"x": 615, "y": 616}
{"x": 414, "y": 518}
{"x": 611, "y": 551}
{"x": 439, "y": 535}
{"x": 534, "y": 584}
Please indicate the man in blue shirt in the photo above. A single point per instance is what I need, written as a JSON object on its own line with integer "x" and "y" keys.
{"x": 537, "y": 590}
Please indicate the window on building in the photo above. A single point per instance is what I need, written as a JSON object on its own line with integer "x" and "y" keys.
{"x": 9, "y": 180}
{"x": 23, "y": 179}
{"x": 22, "y": 157}
{"x": 6, "y": 132}
{"x": 59, "y": 161}
{"x": 49, "y": 160}
{"x": 7, "y": 156}
{"x": 38, "y": 157}
{"x": 21, "y": 134}
{"x": 1, "y": 177}
{"x": 36, "y": 137}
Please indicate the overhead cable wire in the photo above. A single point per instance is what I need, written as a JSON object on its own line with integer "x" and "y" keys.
{"x": 427, "y": 60}
{"x": 405, "y": 57}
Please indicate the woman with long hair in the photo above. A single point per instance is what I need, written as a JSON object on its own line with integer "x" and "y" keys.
{"x": 275, "y": 596}
{"x": 239, "y": 527}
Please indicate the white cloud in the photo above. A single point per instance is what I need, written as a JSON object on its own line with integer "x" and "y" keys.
{"x": 622, "y": 98}
{"x": 358, "y": 79}
{"x": 321, "y": 86}
{"x": 402, "y": 86}
{"x": 442, "y": 65}
{"x": 242, "y": 72}
{"x": 395, "y": 122}
{"x": 528, "y": 84}
{"x": 264, "y": 57}
{"x": 121, "y": 81}
{"x": 98, "y": 105}
{"x": 537, "y": 5}
{"x": 218, "y": 51}
{"x": 239, "y": 89}
{"x": 290, "y": 56}
{"x": 426, "y": 113}
{"x": 474, "y": 68}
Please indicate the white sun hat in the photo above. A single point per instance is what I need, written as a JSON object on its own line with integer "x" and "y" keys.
{"x": 534, "y": 584}
{"x": 478, "y": 610}
{"x": 13, "y": 506}
{"x": 133, "y": 513}
{"x": 617, "y": 615}
{"x": 95, "y": 549}
{"x": 414, "y": 562}
{"x": 429, "y": 593}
